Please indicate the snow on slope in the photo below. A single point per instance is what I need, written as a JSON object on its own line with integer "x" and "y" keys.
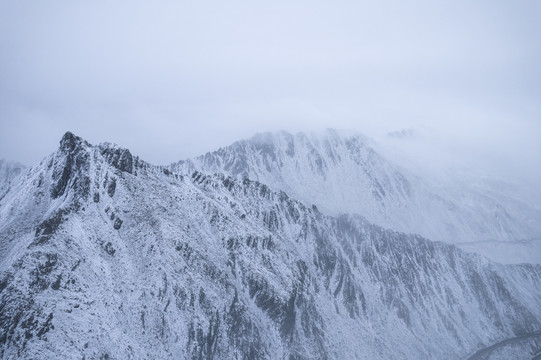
{"x": 104, "y": 255}
{"x": 507, "y": 252}
{"x": 9, "y": 171}
{"x": 342, "y": 173}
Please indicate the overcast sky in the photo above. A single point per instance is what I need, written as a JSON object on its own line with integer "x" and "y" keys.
{"x": 171, "y": 80}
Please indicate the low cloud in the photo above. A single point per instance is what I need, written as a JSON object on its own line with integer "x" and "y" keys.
{"x": 173, "y": 80}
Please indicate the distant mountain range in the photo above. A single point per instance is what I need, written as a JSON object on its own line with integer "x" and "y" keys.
{"x": 343, "y": 173}
{"x": 269, "y": 249}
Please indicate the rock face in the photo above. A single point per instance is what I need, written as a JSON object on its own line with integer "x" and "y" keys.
{"x": 71, "y": 167}
{"x": 342, "y": 173}
{"x": 188, "y": 265}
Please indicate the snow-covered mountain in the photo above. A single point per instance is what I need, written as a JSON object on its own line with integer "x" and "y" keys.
{"x": 343, "y": 173}
{"x": 9, "y": 171}
{"x": 106, "y": 256}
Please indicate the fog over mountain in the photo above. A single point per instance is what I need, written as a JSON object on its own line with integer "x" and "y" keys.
{"x": 346, "y": 172}
{"x": 104, "y": 255}
{"x": 172, "y": 80}
{"x": 293, "y": 180}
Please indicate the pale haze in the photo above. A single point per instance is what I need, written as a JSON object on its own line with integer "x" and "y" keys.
{"x": 172, "y": 80}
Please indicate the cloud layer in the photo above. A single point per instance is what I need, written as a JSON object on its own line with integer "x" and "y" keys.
{"x": 173, "y": 79}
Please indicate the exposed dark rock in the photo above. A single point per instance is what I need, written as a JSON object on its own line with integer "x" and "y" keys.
{"x": 61, "y": 179}
{"x": 69, "y": 142}
{"x": 117, "y": 224}
{"x": 48, "y": 227}
{"x": 5, "y": 281}
{"x": 56, "y": 284}
{"x": 74, "y": 267}
{"x": 111, "y": 187}
{"x": 243, "y": 333}
{"x": 109, "y": 249}
{"x": 40, "y": 278}
{"x": 121, "y": 159}
{"x": 46, "y": 326}
{"x": 70, "y": 166}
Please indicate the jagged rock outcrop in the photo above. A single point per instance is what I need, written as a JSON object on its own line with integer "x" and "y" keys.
{"x": 343, "y": 173}
{"x": 189, "y": 265}
{"x": 70, "y": 167}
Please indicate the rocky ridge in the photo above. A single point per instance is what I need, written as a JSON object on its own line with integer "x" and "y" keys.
{"x": 106, "y": 256}
{"x": 342, "y": 172}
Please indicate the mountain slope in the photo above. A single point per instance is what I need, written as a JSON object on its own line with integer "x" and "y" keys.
{"x": 9, "y": 172}
{"x": 342, "y": 173}
{"x": 104, "y": 255}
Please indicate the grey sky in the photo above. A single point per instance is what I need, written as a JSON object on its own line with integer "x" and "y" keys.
{"x": 173, "y": 79}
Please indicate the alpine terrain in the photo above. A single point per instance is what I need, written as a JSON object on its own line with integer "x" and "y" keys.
{"x": 343, "y": 172}
{"x": 105, "y": 256}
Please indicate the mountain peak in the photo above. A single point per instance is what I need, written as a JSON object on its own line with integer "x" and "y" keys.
{"x": 287, "y": 139}
{"x": 211, "y": 266}
{"x": 70, "y": 142}
{"x": 119, "y": 157}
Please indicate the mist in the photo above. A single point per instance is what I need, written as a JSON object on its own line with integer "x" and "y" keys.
{"x": 172, "y": 80}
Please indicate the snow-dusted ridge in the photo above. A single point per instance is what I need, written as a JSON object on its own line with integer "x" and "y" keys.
{"x": 104, "y": 255}
{"x": 341, "y": 172}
